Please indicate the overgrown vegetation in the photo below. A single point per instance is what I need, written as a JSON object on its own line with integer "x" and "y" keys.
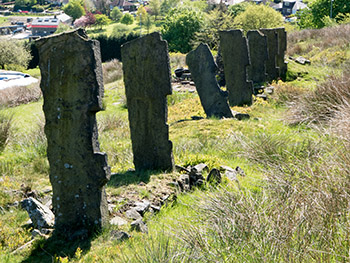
{"x": 292, "y": 206}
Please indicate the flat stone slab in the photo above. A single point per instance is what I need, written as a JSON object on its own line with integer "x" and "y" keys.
{"x": 72, "y": 86}
{"x": 272, "y": 69}
{"x": 235, "y": 54}
{"x": 147, "y": 83}
{"x": 203, "y": 69}
{"x": 258, "y": 56}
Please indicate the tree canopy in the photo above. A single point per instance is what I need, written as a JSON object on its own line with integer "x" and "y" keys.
{"x": 74, "y": 9}
{"x": 258, "y": 16}
{"x": 180, "y": 27}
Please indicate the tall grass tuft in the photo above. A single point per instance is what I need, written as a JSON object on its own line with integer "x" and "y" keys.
{"x": 5, "y": 127}
{"x": 322, "y": 104}
{"x": 301, "y": 213}
{"x": 112, "y": 71}
{"x": 329, "y": 37}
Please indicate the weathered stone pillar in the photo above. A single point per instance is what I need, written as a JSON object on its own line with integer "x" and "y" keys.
{"x": 147, "y": 83}
{"x": 258, "y": 55}
{"x": 234, "y": 50}
{"x": 272, "y": 69}
{"x": 71, "y": 82}
{"x": 203, "y": 70}
{"x": 282, "y": 47}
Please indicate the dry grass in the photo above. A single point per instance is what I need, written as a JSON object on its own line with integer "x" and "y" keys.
{"x": 322, "y": 104}
{"x": 112, "y": 71}
{"x": 338, "y": 36}
{"x": 15, "y": 96}
{"x": 5, "y": 127}
{"x": 285, "y": 93}
{"x": 300, "y": 215}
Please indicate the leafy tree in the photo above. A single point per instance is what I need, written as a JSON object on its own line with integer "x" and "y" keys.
{"x": 155, "y": 6}
{"x": 236, "y": 9}
{"x": 215, "y": 21}
{"x": 258, "y": 16}
{"x": 74, "y": 9}
{"x": 127, "y": 19}
{"x": 101, "y": 20}
{"x": 321, "y": 8}
{"x": 116, "y": 14}
{"x": 167, "y": 5}
{"x": 180, "y": 27}
{"x": 142, "y": 14}
{"x": 24, "y": 4}
{"x": 13, "y": 54}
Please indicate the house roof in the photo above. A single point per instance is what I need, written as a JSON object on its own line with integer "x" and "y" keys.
{"x": 45, "y": 22}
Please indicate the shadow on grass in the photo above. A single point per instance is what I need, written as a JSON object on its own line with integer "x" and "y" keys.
{"x": 131, "y": 177}
{"x": 56, "y": 246}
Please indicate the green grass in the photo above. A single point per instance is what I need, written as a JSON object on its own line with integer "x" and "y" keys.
{"x": 291, "y": 206}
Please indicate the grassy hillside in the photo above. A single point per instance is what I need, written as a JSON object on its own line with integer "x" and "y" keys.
{"x": 292, "y": 205}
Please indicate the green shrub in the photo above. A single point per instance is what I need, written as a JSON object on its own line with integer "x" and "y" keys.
{"x": 13, "y": 54}
{"x": 127, "y": 19}
{"x": 258, "y": 16}
{"x": 116, "y": 14}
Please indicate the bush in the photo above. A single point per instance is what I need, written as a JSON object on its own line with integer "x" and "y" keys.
{"x": 258, "y": 16}
{"x": 179, "y": 29}
{"x": 74, "y": 9}
{"x": 13, "y": 54}
{"x": 111, "y": 46}
{"x": 127, "y": 19}
{"x": 116, "y": 14}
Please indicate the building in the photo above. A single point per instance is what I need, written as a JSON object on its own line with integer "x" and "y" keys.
{"x": 290, "y": 7}
{"x": 44, "y": 26}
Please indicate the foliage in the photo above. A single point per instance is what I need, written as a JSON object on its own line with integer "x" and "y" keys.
{"x": 116, "y": 14}
{"x": 13, "y": 54}
{"x": 87, "y": 20}
{"x": 110, "y": 46}
{"x": 236, "y": 9}
{"x": 142, "y": 14}
{"x": 215, "y": 21}
{"x": 319, "y": 9}
{"x": 155, "y": 7}
{"x": 101, "y": 20}
{"x": 167, "y": 5}
{"x": 62, "y": 28}
{"x": 24, "y": 4}
{"x": 127, "y": 19}
{"x": 74, "y": 9}
{"x": 180, "y": 27}
{"x": 258, "y": 16}
{"x": 120, "y": 29}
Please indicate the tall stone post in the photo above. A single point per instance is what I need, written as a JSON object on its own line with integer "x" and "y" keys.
{"x": 282, "y": 47}
{"x": 235, "y": 54}
{"x": 72, "y": 87}
{"x": 258, "y": 55}
{"x": 147, "y": 83}
{"x": 203, "y": 70}
{"x": 272, "y": 69}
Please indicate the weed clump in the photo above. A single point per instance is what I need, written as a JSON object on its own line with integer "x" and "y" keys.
{"x": 321, "y": 105}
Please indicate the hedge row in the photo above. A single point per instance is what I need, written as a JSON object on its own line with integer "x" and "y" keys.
{"x": 110, "y": 48}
